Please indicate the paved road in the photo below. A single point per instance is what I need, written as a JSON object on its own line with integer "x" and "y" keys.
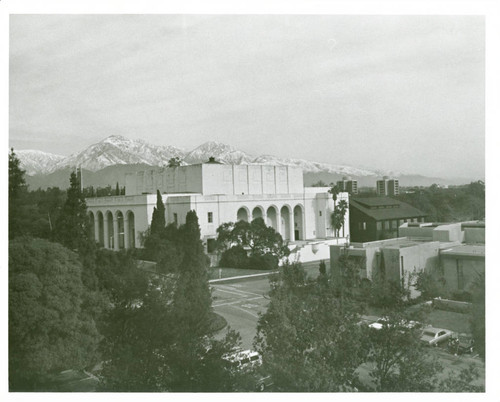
{"x": 241, "y": 301}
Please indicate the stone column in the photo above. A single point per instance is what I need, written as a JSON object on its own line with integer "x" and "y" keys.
{"x": 292, "y": 225}
{"x": 126, "y": 230}
{"x": 116, "y": 243}
{"x": 278, "y": 222}
{"x": 96, "y": 227}
{"x": 106, "y": 231}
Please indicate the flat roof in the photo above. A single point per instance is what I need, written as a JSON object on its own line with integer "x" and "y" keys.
{"x": 474, "y": 250}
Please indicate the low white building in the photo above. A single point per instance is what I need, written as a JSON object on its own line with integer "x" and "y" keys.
{"x": 218, "y": 193}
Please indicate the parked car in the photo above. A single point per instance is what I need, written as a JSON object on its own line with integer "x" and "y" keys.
{"x": 460, "y": 344}
{"x": 379, "y": 324}
{"x": 434, "y": 336}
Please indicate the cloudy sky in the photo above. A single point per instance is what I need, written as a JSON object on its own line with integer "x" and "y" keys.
{"x": 401, "y": 93}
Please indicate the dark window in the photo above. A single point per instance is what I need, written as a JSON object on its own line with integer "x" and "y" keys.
{"x": 211, "y": 244}
{"x": 210, "y": 217}
{"x": 320, "y": 213}
{"x": 175, "y": 219}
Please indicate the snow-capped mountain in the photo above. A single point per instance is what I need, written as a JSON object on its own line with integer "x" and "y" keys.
{"x": 38, "y": 162}
{"x": 315, "y": 167}
{"x": 118, "y": 150}
{"x": 221, "y": 152}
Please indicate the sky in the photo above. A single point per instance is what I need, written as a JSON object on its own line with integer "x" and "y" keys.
{"x": 400, "y": 93}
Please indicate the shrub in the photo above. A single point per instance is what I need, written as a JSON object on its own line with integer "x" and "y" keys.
{"x": 267, "y": 262}
{"x": 235, "y": 257}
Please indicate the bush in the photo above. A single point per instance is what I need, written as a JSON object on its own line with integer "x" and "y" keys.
{"x": 267, "y": 262}
{"x": 235, "y": 257}
{"x": 461, "y": 295}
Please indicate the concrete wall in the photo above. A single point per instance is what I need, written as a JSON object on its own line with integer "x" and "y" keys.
{"x": 474, "y": 235}
{"x": 446, "y": 233}
{"x": 471, "y": 267}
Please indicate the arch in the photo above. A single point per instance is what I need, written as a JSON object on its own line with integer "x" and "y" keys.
{"x": 100, "y": 229}
{"x": 242, "y": 214}
{"x": 108, "y": 222}
{"x": 272, "y": 217}
{"x": 257, "y": 212}
{"x": 130, "y": 229}
{"x": 298, "y": 219}
{"x": 285, "y": 222}
{"x": 120, "y": 236}
{"x": 92, "y": 232}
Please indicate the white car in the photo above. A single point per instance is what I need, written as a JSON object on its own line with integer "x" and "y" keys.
{"x": 379, "y": 324}
{"x": 434, "y": 336}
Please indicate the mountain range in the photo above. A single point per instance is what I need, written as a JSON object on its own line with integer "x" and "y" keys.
{"x": 107, "y": 162}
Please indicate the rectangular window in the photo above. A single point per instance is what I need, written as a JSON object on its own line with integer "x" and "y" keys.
{"x": 320, "y": 213}
{"x": 210, "y": 217}
{"x": 387, "y": 225}
{"x": 211, "y": 245}
{"x": 175, "y": 219}
{"x": 379, "y": 225}
{"x": 364, "y": 225}
{"x": 394, "y": 224}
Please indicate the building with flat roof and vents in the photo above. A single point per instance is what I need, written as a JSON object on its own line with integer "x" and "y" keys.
{"x": 348, "y": 185}
{"x": 378, "y": 218}
{"x": 453, "y": 251}
{"x": 219, "y": 193}
{"x": 388, "y": 186}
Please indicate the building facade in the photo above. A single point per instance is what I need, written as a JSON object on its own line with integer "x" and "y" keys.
{"x": 452, "y": 251}
{"x": 348, "y": 185}
{"x": 379, "y": 218}
{"x": 219, "y": 194}
{"x": 388, "y": 187}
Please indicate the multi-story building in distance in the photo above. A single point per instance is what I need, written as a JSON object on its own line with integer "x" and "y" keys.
{"x": 388, "y": 186}
{"x": 348, "y": 185}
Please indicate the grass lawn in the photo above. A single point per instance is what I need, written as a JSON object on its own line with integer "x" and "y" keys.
{"x": 457, "y": 322}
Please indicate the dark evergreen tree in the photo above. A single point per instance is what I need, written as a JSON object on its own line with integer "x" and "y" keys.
{"x": 17, "y": 190}
{"x": 72, "y": 228}
{"x": 158, "y": 220}
{"x": 117, "y": 189}
{"x": 49, "y": 331}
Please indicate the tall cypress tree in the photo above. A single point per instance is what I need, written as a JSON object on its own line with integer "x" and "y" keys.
{"x": 72, "y": 228}
{"x": 158, "y": 220}
{"x": 17, "y": 191}
{"x": 192, "y": 299}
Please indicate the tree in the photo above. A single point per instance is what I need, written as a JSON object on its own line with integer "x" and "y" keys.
{"x": 117, "y": 189}
{"x": 261, "y": 240}
{"x": 174, "y": 162}
{"x": 401, "y": 364}
{"x": 158, "y": 220}
{"x": 72, "y": 227}
{"x": 17, "y": 189}
{"x": 48, "y": 330}
{"x": 178, "y": 352}
{"x": 477, "y": 320}
{"x": 307, "y": 342}
{"x": 337, "y": 217}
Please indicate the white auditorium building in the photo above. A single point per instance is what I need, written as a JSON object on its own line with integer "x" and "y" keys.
{"x": 218, "y": 193}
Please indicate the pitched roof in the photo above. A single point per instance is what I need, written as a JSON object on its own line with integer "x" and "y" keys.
{"x": 383, "y": 208}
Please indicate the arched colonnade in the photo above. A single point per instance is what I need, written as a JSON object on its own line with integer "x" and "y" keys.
{"x": 287, "y": 220}
{"x": 115, "y": 231}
